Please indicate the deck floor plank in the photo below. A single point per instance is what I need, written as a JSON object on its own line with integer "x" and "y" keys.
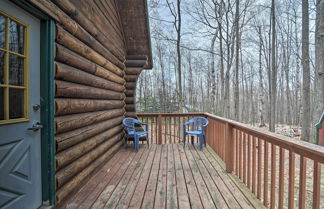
{"x": 205, "y": 196}
{"x": 164, "y": 176}
{"x": 193, "y": 193}
{"x": 212, "y": 188}
{"x": 235, "y": 187}
{"x": 160, "y": 194}
{"x": 183, "y": 197}
{"x": 222, "y": 187}
{"x": 131, "y": 186}
{"x": 138, "y": 195}
{"x": 104, "y": 196}
{"x": 172, "y": 196}
{"x": 89, "y": 192}
{"x": 130, "y": 174}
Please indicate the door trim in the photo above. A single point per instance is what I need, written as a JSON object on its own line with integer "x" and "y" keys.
{"x": 47, "y": 99}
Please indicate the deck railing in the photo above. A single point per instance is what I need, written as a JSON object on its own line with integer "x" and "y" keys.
{"x": 280, "y": 171}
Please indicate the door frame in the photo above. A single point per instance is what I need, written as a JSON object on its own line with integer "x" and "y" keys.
{"x": 47, "y": 48}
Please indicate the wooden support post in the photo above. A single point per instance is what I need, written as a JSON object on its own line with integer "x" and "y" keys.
{"x": 229, "y": 144}
{"x": 159, "y": 123}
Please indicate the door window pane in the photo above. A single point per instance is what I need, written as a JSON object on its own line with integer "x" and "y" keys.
{"x": 16, "y": 37}
{"x": 16, "y": 70}
{"x": 1, "y": 103}
{"x": 2, "y": 56}
{"x": 2, "y": 31}
{"x": 16, "y": 103}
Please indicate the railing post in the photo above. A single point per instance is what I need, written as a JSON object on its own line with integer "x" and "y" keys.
{"x": 229, "y": 148}
{"x": 159, "y": 121}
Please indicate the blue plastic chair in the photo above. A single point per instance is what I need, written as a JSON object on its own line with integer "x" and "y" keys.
{"x": 129, "y": 124}
{"x": 199, "y": 124}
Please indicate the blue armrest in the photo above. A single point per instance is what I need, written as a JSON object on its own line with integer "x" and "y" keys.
{"x": 189, "y": 122}
{"x": 142, "y": 123}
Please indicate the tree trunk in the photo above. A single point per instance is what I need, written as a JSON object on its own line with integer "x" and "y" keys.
{"x": 236, "y": 89}
{"x": 319, "y": 60}
{"x": 273, "y": 94}
{"x": 306, "y": 119}
{"x": 181, "y": 101}
{"x": 213, "y": 80}
{"x": 261, "y": 90}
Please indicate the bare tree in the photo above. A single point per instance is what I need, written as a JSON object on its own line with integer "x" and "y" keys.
{"x": 261, "y": 87}
{"x": 306, "y": 72}
{"x": 319, "y": 60}
{"x": 213, "y": 76}
{"x": 176, "y": 14}
{"x": 273, "y": 93}
{"x": 237, "y": 55}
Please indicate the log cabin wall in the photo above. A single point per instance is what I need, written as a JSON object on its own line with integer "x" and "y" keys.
{"x": 89, "y": 87}
{"x": 134, "y": 67}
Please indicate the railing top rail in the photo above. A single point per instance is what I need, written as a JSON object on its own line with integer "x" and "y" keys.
{"x": 169, "y": 114}
{"x": 303, "y": 148}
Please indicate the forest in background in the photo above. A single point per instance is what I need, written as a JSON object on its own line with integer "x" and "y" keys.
{"x": 254, "y": 61}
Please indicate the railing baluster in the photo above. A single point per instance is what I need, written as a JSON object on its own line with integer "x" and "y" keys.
{"x": 316, "y": 185}
{"x": 165, "y": 132}
{"x": 273, "y": 176}
{"x": 151, "y": 128}
{"x": 159, "y": 129}
{"x": 244, "y": 157}
{"x": 170, "y": 129}
{"x": 173, "y": 129}
{"x": 265, "y": 176}
{"x": 249, "y": 162}
{"x": 217, "y": 138}
{"x": 302, "y": 182}
{"x": 229, "y": 159}
{"x": 259, "y": 168}
{"x": 291, "y": 188}
{"x": 236, "y": 152}
{"x": 240, "y": 155}
{"x": 156, "y": 131}
{"x": 179, "y": 130}
{"x": 253, "y": 165}
{"x": 281, "y": 178}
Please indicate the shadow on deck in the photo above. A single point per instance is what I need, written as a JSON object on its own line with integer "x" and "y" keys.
{"x": 164, "y": 176}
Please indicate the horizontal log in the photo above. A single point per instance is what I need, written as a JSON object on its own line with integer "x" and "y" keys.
{"x": 136, "y": 63}
{"x": 68, "y": 139}
{"x": 66, "y": 173}
{"x": 130, "y": 85}
{"x": 66, "y": 39}
{"x": 68, "y": 73}
{"x": 129, "y": 92}
{"x": 136, "y": 57}
{"x": 67, "y": 156}
{"x": 131, "y": 78}
{"x": 133, "y": 70}
{"x": 129, "y": 100}
{"x": 130, "y": 107}
{"x": 70, "y": 122}
{"x": 82, "y": 19}
{"x": 70, "y": 106}
{"x": 96, "y": 14}
{"x": 131, "y": 114}
{"x": 74, "y": 183}
{"x": 71, "y": 58}
{"x": 75, "y": 29}
{"x": 73, "y": 90}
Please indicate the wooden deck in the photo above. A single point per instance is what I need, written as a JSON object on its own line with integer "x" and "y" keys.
{"x": 164, "y": 176}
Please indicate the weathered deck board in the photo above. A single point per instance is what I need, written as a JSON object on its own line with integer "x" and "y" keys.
{"x": 164, "y": 176}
